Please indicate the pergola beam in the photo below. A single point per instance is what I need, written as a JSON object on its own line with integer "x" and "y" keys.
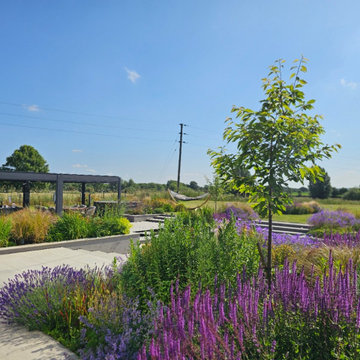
{"x": 52, "y": 177}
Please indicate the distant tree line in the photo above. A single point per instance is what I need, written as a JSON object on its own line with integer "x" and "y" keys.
{"x": 27, "y": 158}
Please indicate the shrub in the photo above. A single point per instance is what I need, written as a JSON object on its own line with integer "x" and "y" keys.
{"x": 333, "y": 221}
{"x": 114, "y": 328}
{"x": 30, "y": 226}
{"x": 82, "y": 309}
{"x": 158, "y": 206}
{"x": 282, "y": 253}
{"x": 303, "y": 208}
{"x": 180, "y": 207}
{"x": 109, "y": 225}
{"x": 352, "y": 194}
{"x": 5, "y": 230}
{"x": 242, "y": 213}
{"x": 70, "y": 226}
{"x": 50, "y": 300}
{"x": 188, "y": 249}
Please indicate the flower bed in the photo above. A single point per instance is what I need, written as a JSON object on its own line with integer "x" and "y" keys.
{"x": 31, "y": 226}
{"x": 195, "y": 291}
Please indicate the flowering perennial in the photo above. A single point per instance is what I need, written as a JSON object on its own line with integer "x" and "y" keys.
{"x": 333, "y": 219}
{"x": 253, "y": 321}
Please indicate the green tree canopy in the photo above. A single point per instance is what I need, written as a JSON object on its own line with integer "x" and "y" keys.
{"x": 194, "y": 185}
{"x": 278, "y": 143}
{"x": 26, "y": 158}
{"x": 320, "y": 189}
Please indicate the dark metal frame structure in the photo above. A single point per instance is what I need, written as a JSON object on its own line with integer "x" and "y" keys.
{"x": 59, "y": 179}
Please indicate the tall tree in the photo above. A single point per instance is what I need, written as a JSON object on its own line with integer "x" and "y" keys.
{"x": 26, "y": 158}
{"x": 194, "y": 185}
{"x": 278, "y": 143}
{"x": 320, "y": 189}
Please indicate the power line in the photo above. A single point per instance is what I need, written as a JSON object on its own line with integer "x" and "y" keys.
{"x": 78, "y": 122}
{"x": 82, "y": 132}
{"x": 61, "y": 110}
{"x": 168, "y": 160}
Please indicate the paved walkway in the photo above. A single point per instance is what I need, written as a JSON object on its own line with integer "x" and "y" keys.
{"x": 16, "y": 343}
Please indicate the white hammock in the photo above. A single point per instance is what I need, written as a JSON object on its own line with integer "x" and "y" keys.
{"x": 180, "y": 197}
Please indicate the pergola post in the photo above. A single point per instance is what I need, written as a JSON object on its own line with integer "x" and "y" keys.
{"x": 26, "y": 194}
{"x": 119, "y": 190}
{"x": 59, "y": 194}
{"x": 83, "y": 193}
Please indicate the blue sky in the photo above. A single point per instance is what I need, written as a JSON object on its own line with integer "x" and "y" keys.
{"x": 100, "y": 87}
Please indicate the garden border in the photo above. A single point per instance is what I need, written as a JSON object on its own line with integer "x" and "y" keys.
{"x": 105, "y": 244}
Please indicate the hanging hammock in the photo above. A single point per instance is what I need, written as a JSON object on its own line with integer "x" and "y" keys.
{"x": 179, "y": 197}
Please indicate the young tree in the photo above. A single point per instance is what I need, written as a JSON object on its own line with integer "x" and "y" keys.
{"x": 278, "y": 143}
{"x": 320, "y": 189}
{"x": 215, "y": 189}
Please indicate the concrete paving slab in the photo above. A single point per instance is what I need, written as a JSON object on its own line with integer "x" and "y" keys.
{"x": 16, "y": 342}
{"x": 143, "y": 226}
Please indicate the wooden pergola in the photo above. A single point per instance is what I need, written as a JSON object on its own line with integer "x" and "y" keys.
{"x": 27, "y": 177}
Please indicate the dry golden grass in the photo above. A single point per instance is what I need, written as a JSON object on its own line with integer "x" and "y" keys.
{"x": 318, "y": 258}
{"x": 30, "y": 225}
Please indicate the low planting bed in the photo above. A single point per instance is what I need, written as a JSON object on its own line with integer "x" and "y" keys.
{"x": 197, "y": 291}
{"x": 32, "y": 226}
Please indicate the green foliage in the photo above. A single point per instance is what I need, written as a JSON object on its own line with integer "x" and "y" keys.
{"x": 5, "y": 230}
{"x": 187, "y": 249}
{"x": 27, "y": 159}
{"x": 30, "y": 226}
{"x": 303, "y": 208}
{"x": 75, "y": 226}
{"x": 276, "y": 143}
{"x": 320, "y": 189}
{"x": 352, "y": 194}
{"x": 108, "y": 226}
{"x": 215, "y": 189}
{"x": 69, "y": 226}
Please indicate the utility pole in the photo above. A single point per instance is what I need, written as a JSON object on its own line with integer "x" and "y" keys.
{"x": 180, "y": 150}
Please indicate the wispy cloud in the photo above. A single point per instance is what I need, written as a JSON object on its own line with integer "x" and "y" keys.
{"x": 31, "y": 108}
{"x": 80, "y": 166}
{"x": 76, "y": 150}
{"x": 349, "y": 84}
{"x": 84, "y": 167}
{"x": 132, "y": 75}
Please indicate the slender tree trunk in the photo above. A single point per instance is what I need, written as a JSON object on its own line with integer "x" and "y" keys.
{"x": 268, "y": 263}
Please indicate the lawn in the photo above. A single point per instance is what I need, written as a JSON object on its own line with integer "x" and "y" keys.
{"x": 328, "y": 204}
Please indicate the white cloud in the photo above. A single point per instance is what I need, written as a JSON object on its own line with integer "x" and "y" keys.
{"x": 349, "y": 84}
{"x": 132, "y": 75}
{"x": 76, "y": 150}
{"x": 32, "y": 108}
{"x": 84, "y": 167}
